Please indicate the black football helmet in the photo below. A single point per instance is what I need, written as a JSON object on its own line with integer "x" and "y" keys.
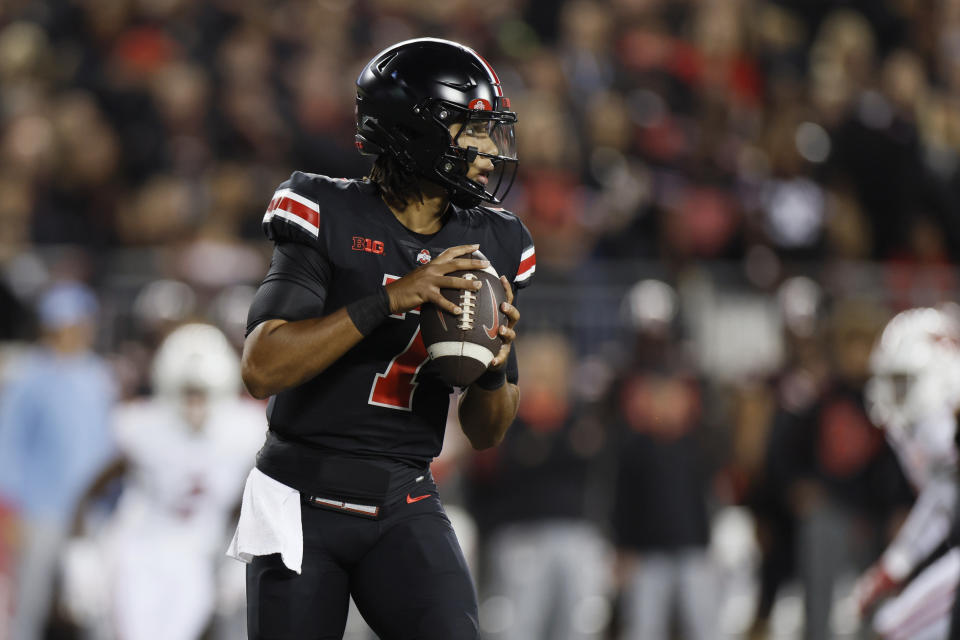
{"x": 410, "y": 94}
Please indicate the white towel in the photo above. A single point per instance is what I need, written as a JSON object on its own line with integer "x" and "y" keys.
{"x": 269, "y": 522}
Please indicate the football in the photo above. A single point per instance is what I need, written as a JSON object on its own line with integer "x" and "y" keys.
{"x": 463, "y": 346}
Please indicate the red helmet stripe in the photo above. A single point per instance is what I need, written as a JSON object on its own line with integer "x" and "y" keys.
{"x": 495, "y": 80}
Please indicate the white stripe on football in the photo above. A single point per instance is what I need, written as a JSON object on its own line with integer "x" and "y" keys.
{"x": 468, "y": 349}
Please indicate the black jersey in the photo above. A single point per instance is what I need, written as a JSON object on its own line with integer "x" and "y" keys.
{"x": 337, "y": 242}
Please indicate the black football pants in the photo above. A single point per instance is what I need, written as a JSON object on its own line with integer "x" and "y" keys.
{"x": 405, "y": 570}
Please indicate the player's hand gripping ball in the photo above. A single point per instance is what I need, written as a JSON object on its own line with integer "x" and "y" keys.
{"x": 463, "y": 346}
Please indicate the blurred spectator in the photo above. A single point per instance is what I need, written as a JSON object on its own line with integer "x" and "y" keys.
{"x": 660, "y": 522}
{"x": 54, "y": 435}
{"x": 546, "y": 563}
{"x": 791, "y": 394}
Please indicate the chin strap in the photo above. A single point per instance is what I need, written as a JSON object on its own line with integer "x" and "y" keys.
{"x": 463, "y": 199}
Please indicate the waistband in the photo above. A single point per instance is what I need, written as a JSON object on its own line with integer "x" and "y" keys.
{"x": 336, "y": 476}
{"x": 424, "y": 486}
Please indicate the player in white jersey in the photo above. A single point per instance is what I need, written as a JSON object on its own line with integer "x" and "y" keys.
{"x": 914, "y": 395}
{"x": 185, "y": 454}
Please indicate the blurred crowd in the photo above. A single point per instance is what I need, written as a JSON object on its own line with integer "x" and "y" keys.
{"x": 729, "y": 199}
{"x": 651, "y": 129}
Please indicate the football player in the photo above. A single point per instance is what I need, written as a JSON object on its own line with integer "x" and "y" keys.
{"x": 341, "y": 500}
{"x": 914, "y": 395}
{"x": 152, "y": 572}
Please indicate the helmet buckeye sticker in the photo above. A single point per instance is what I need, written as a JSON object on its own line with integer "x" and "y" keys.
{"x": 479, "y": 104}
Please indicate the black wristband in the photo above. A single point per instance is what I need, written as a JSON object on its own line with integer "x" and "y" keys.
{"x": 491, "y": 380}
{"x": 370, "y": 312}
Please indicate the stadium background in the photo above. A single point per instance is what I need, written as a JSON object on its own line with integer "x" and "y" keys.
{"x": 789, "y": 169}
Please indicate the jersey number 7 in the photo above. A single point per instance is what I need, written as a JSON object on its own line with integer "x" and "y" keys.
{"x": 394, "y": 387}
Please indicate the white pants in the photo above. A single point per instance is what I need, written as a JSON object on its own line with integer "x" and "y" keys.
{"x": 551, "y": 580}
{"x": 661, "y": 579}
{"x": 922, "y": 610}
{"x": 162, "y": 591}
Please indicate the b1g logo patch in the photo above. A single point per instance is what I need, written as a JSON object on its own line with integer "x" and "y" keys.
{"x": 479, "y": 104}
{"x": 366, "y": 244}
{"x": 423, "y": 257}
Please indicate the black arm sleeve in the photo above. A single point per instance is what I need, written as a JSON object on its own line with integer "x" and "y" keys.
{"x": 295, "y": 287}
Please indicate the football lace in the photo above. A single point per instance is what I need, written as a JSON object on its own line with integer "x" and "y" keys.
{"x": 468, "y": 301}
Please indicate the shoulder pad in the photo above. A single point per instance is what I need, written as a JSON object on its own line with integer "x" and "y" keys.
{"x": 294, "y": 213}
{"x": 526, "y": 255}
{"x": 500, "y": 211}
